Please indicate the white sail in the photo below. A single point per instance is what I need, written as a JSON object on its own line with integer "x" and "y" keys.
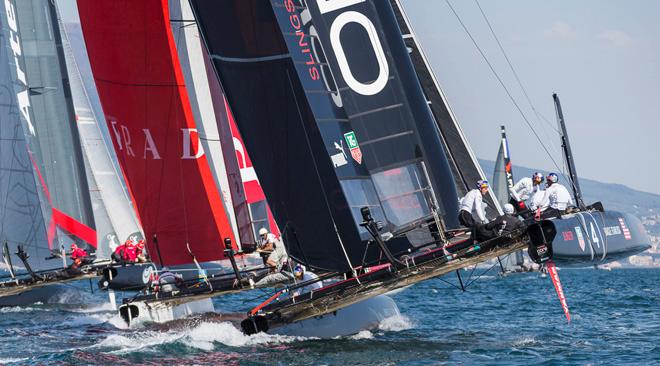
{"x": 189, "y": 48}
{"x": 113, "y": 211}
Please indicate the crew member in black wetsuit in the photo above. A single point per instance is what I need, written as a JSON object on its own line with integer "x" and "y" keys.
{"x": 503, "y": 225}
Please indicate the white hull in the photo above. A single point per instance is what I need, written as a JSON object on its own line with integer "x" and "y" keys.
{"x": 364, "y": 315}
{"x": 163, "y": 312}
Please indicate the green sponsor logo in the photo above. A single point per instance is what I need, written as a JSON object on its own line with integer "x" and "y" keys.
{"x": 351, "y": 140}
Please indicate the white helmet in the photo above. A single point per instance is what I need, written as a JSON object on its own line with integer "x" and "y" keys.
{"x": 263, "y": 231}
{"x": 508, "y": 209}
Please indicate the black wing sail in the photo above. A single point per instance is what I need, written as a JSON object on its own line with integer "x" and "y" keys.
{"x": 322, "y": 149}
{"x": 463, "y": 162}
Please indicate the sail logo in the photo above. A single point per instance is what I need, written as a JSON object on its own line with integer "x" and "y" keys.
{"x": 339, "y": 159}
{"x": 338, "y": 24}
{"x": 124, "y": 140}
{"x": 353, "y": 146}
{"x": 612, "y": 230}
{"x": 15, "y": 43}
{"x": 312, "y": 50}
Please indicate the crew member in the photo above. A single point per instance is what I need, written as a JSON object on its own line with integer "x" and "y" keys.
{"x": 130, "y": 251}
{"x": 125, "y": 253}
{"x": 77, "y": 252}
{"x": 165, "y": 281}
{"x": 555, "y": 199}
{"x": 302, "y": 275}
{"x": 524, "y": 189}
{"x": 272, "y": 250}
{"x": 78, "y": 258}
{"x": 472, "y": 206}
{"x": 472, "y": 213}
{"x": 140, "y": 254}
{"x": 504, "y": 225}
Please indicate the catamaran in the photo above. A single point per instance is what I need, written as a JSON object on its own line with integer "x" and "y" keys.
{"x": 164, "y": 117}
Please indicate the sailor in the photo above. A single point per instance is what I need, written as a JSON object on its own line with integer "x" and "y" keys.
{"x": 525, "y": 188}
{"x": 166, "y": 281}
{"x": 272, "y": 250}
{"x": 555, "y": 199}
{"x": 77, "y": 252}
{"x": 504, "y": 225}
{"x": 535, "y": 201}
{"x": 140, "y": 254}
{"x": 130, "y": 251}
{"x": 300, "y": 274}
{"x": 472, "y": 206}
{"x": 125, "y": 253}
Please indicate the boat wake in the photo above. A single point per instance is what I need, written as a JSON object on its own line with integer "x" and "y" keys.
{"x": 205, "y": 336}
{"x": 396, "y": 323}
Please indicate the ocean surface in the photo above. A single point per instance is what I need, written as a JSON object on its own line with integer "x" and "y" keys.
{"x": 511, "y": 320}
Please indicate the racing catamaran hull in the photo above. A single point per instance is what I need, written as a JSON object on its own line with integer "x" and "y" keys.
{"x": 163, "y": 312}
{"x": 589, "y": 238}
{"x": 364, "y": 315}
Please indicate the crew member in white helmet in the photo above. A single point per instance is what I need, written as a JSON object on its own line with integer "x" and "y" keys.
{"x": 273, "y": 249}
{"x": 471, "y": 207}
{"x": 525, "y": 188}
{"x": 556, "y": 198}
{"x": 471, "y": 212}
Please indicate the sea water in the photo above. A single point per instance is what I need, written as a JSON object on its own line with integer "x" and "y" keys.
{"x": 511, "y": 320}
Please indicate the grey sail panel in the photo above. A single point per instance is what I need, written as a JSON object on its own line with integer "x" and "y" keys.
{"x": 499, "y": 184}
{"x": 55, "y": 143}
{"x": 24, "y": 209}
{"x": 465, "y": 167}
{"x": 113, "y": 212}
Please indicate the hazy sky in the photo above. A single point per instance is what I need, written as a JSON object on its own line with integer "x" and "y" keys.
{"x": 601, "y": 56}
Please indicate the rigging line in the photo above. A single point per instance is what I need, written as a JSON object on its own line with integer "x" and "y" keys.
{"x": 479, "y": 275}
{"x": 492, "y": 69}
{"x": 515, "y": 74}
{"x": 449, "y": 283}
{"x": 538, "y": 115}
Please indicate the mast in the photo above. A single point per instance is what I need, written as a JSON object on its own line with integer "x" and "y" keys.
{"x": 568, "y": 154}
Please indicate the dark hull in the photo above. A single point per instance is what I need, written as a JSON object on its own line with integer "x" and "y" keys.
{"x": 135, "y": 277}
{"x": 44, "y": 295}
{"x": 589, "y": 238}
{"x": 126, "y": 278}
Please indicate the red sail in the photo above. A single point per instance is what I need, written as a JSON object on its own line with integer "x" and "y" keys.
{"x": 253, "y": 191}
{"x": 143, "y": 93}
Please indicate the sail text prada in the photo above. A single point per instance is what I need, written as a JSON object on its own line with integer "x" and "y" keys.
{"x": 148, "y": 147}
